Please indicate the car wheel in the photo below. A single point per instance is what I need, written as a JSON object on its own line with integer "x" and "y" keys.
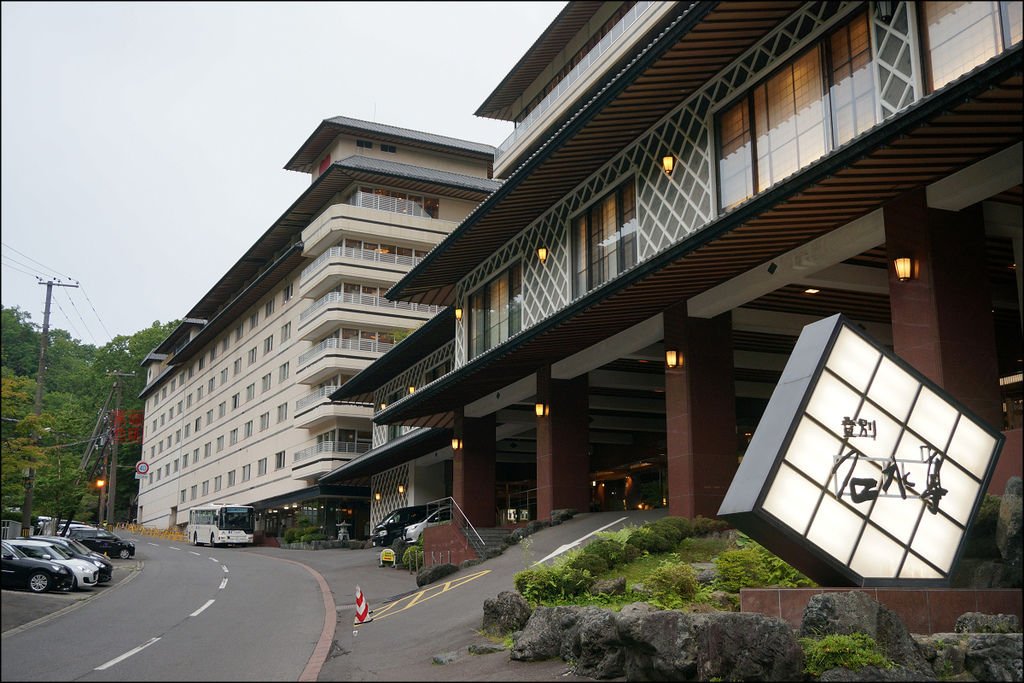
{"x": 39, "y": 582}
{"x": 124, "y": 553}
{"x": 74, "y": 583}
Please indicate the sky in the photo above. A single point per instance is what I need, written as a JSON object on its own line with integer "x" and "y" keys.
{"x": 143, "y": 144}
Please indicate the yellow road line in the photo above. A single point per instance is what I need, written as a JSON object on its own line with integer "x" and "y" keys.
{"x": 422, "y": 596}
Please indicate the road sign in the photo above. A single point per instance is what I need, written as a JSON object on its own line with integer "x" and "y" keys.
{"x": 142, "y": 467}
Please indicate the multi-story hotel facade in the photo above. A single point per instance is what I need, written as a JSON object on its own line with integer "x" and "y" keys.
{"x": 237, "y": 404}
{"x": 689, "y": 185}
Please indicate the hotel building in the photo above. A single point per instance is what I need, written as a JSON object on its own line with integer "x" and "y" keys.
{"x": 237, "y": 405}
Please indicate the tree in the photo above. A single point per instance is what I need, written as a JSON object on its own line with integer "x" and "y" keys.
{"x": 19, "y": 342}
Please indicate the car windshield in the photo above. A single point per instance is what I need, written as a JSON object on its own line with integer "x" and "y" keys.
{"x": 238, "y": 519}
{"x": 78, "y": 547}
{"x": 106, "y": 535}
{"x": 37, "y": 551}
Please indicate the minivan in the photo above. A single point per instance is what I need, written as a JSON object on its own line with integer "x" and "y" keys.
{"x": 393, "y": 526}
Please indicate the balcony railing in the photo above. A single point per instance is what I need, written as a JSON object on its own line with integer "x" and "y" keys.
{"x": 362, "y": 254}
{"x": 364, "y": 300}
{"x": 331, "y": 447}
{"x": 350, "y": 344}
{"x": 380, "y": 202}
{"x": 579, "y": 70}
{"x": 317, "y": 396}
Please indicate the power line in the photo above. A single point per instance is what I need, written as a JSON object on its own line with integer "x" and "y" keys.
{"x": 66, "y": 317}
{"x": 7, "y": 265}
{"x": 72, "y": 302}
{"x": 82, "y": 289}
{"x": 45, "y": 267}
{"x": 38, "y": 273}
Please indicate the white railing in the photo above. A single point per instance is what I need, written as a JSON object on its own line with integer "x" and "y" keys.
{"x": 330, "y": 447}
{"x": 362, "y": 254}
{"x": 370, "y": 200}
{"x": 364, "y": 300}
{"x": 579, "y": 70}
{"x": 315, "y": 397}
{"x": 350, "y": 344}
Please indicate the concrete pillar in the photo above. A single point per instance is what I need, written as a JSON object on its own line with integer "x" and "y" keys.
{"x": 473, "y": 469}
{"x": 563, "y": 459}
{"x": 700, "y": 412}
{"x": 942, "y": 319}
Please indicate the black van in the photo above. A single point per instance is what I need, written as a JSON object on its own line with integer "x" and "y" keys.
{"x": 393, "y": 526}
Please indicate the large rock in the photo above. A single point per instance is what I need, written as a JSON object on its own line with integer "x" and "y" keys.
{"x": 979, "y": 622}
{"x": 505, "y": 614}
{"x": 594, "y": 645}
{"x": 873, "y": 673}
{"x": 994, "y": 656}
{"x": 430, "y": 574}
{"x": 544, "y": 632}
{"x": 734, "y": 646}
{"x": 854, "y": 612}
{"x": 615, "y": 586}
{"x": 660, "y": 644}
{"x": 945, "y": 653}
{"x": 1008, "y": 529}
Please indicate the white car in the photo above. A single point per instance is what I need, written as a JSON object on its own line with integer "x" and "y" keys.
{"x": 413, "y": 532}
{"x": 86, "y": 572}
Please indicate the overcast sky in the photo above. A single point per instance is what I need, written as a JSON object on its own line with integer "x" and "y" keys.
{"x": 144, "y": 143}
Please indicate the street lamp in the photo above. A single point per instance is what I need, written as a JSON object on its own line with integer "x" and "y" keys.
{"x": 99, "y": 511}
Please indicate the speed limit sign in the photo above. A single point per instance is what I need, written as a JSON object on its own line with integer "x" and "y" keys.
{"x": 142, "y": 467}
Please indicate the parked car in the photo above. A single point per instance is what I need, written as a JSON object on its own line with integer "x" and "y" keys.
{"x": 103, "y": 542}
{"x": 414, "y": 531}
{"x": 393, "y": 526}
{"x": 104, "y": 566}
{"x": 21, "y": 571}
{"x": 85, "y": 574}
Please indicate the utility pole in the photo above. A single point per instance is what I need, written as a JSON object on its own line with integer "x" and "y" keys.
{"x": 30, "y": 473}
{"x": 112, "y": 475}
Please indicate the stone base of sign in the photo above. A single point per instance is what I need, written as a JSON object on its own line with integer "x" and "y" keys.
{"x": 922, "y": 610}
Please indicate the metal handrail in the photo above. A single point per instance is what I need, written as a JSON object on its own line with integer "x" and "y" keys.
{"x": 350, "y": 344}
{"x": 314, "y": 397}
{"x": 361, "y": 254}
{"x": 331, "y": 447}
{"x": 462, "y": 516}
{"x": 364, "y": 300}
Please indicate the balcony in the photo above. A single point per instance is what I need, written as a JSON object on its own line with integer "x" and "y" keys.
{"x": 315, "y": 411}
{"x": 592, "y": 67}
{"x": 338, "y": 263}
{"x": 322, "y": 316}
{"x": 313, "y": 462}
{"x": 338, "y": 355}
{"x": 372, "y": 220}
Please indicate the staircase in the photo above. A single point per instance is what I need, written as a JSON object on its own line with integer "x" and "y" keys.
{"x": 491, "y": 538}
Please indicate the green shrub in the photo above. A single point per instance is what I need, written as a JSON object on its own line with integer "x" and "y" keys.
{"x": 753, "y": 567}
{"x": 313, "y": 536}
{"x": 703, "y": 526}
{"x": 413, "y": 555}
{"x": 610, "y": 550}
{"x": 546, "y": 584}
{"x": 589, "y": 562}
{"x": 630, "y": 552}
{"x": 675, "y": 529}
{"x": 672, "y": 584}
{"x": 647, "y": 539}
{"x": 854, "y": 652}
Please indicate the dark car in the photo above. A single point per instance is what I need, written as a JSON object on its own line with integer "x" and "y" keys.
{"x": 393, "y": 526}
{"x": 39, "y": 576}
{"x": 82, "y": 552}
{"x": 103, "y": 542}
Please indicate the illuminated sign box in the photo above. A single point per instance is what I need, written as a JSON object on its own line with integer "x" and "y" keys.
{"x": 861, "y": 471}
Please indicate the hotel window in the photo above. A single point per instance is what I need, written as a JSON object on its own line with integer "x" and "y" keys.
{"x": 268, "y": 344}
{"x": 211, "y": 385}
{"x": 183, "y": 495}
{"x": 209, "y": 417}
{"x": 282, "y": 412}
{"x": 254, "y": 320}
{"x": 816, "y": 102}
{"x": 199, "y": 393}
{"x": 278, "y": 460}
{"x": 286, "y": 332}
{"x": 220, "y": 443}
{"x": 223, "y": 376}
{"x": 252, "y": 355}
{"x": 195, "y": 456}
{"x": 217, "y": 483}
{"x": 231, "y": 478}
{"x": 282, "y": 372}
{"x": 222, "y": 407}
{"x": 247, "y": 430}
{"x": 261, "y": 467}
{"x": 388, "y": 148}
{"x": 286, "y": 293}
{"x": 213, "y": 355}
{"x": 250, "y": 392}
{"x": 268, "y": 308}
{"x": 364, "y": 144}
{"x": 207, "y": 448}
{"x": 604, "y": 239}
{"x": 192, "y": 492}
{"x": 206, "y": 487}
{"x": 264, "y": 421}
{"x": 238, "y": 332}
{"x": 191, "y": 370}
{"x": 224, "y": 344}
{"x": 236, "y": 399}
{"x": 188, "y": 401}
{"x": 233, "y": 437}
{"x": 496, "y": 311}
{"x": 265, "y": 386}
{"x": 184, "y": 461}
{"x": 237, "y": 366}
{"x": 246, "y": 472}
{"x": 962, "y": 35}
{"x": 188, "y": 430}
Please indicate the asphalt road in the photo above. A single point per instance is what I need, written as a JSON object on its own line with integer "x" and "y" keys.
{"x": 272, "y": 609}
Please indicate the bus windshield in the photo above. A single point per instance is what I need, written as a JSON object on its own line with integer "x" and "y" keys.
{"x": 238, "y": 519}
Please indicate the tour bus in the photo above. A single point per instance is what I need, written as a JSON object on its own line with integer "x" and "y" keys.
{"x": 221, "y": 523}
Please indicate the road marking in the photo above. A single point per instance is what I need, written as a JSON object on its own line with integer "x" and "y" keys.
{"x": 223, "y": 583}
{"x": 569, "y": 546}
{"x": 195, "y": 553}
{"x": 173, "y": 548}
{"x": 155, "y": 545}
{"x": 213, "y": 559}
{"x": 224, "y": 567}
{"x": 199, "y": 611}
{"x": 424, "y": 595}
{"x": 126, "y": 655}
